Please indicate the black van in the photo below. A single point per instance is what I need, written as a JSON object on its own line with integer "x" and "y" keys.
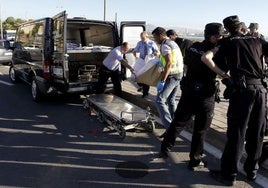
{"x": 64, "y": 55}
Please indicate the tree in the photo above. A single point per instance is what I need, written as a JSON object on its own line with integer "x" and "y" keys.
{"x": 11, "y": 23}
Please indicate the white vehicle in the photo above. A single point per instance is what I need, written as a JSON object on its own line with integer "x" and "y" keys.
{"x": 9, "y": 35}
{"x": 5, "y": 52}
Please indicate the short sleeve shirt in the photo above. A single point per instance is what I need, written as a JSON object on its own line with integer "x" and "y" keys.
{"x": 196, "y": 70}
{"x": 165, "y": 49}
{"x": 242, "y": 55}
{"x": 146, "y": 48}
{"x": 112, "y": 61}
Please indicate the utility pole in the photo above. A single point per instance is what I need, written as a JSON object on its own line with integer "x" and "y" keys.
{"x": 104, "y": 11}
{"x": 1, "y": 23}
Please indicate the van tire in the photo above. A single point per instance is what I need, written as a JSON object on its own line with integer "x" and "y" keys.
{"x": 150, "y": 126}
{"x": 13, "y": 75}
{"x": 36, "y": 93}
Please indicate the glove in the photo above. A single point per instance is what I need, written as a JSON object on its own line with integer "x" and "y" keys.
{"x": 159, "y": 64}
{"x": 160, "y": 86}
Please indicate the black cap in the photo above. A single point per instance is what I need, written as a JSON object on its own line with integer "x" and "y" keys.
{"x": 214, "y": 29}
{"x": 253, "y": 26}
{"x": 171, "y": 32}
{"x": 243, "y": 25}
{"x": 159, "y": 31}
{"x": 231, "y": 22}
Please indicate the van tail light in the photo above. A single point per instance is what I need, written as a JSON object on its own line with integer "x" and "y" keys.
{"x": 46, "y": 69}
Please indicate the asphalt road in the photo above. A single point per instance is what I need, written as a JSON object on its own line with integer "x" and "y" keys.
{"x": 55, "y": 143}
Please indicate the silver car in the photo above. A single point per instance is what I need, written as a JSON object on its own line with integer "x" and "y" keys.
{"x": 5, "y": 52}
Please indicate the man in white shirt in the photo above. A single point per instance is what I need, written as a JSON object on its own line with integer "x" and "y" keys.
{"x": 112, "y": 68}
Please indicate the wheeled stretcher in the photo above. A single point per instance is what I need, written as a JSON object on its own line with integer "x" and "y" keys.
{"x": 119, "y": 113}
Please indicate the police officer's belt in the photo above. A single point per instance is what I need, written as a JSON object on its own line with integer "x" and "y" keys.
{"x": 254, "y": 81}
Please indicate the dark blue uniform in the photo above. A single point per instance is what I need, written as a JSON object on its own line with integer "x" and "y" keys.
{"x": 197, "y": 99}
{"x": 243, "y": 57}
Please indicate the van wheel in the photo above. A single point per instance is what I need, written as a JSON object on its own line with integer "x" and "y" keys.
{"x": 36, "y": 93}
{"x": 13, "y": 75}
{"x": 150, "y": 126}
{"x": 121, "y": 131}
{"x": 101, "y": 117}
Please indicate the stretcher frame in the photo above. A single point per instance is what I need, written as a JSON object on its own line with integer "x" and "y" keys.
{"x": 119, "y": 113}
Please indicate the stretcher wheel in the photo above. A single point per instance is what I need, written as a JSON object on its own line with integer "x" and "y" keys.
{"x": 101, "y": 117}
{"x": 89, "y": 111}
{"x": 150, "y": 126}
{"x": 85, "y": 104}
{"x": 121, "y": 131}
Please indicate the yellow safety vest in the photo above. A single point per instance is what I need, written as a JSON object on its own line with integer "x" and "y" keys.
{"x": 176, "y": 66}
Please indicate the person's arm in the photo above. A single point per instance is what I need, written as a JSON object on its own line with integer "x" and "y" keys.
{"x": 136, "y": 49}
{"x": 167, "y": 69}
{"x": 156, "y": 51}
{"x": 125, "y": 63}
{"x": 207, "y": 58}
{"x": 135, "y": 53}
{"x": 157, "y": 54}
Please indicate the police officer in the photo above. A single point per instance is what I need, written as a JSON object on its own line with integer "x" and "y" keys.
{"x": 197, "y": 98}
{"x": 242, "y": 56}
{"x": 183, "y": 43}
{"x": 253, "y": 30}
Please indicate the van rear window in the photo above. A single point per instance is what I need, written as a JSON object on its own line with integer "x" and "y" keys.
{"x": 88, "y": 35}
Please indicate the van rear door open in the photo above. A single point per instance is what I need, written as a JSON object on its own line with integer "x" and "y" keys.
{"x": 60, "y": 62}
{"x": 130, "y": 32}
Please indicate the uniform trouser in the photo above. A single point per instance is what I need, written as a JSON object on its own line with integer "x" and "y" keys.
{"x": 104, "y": 75}
{"x": 203, "y": 109}
{"x": 247, "y": 110}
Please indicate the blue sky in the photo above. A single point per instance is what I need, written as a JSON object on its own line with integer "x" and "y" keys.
{"x": 176, "y": 13}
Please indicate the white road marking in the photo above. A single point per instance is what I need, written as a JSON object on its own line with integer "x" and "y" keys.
{"x": 6, "y": 83}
